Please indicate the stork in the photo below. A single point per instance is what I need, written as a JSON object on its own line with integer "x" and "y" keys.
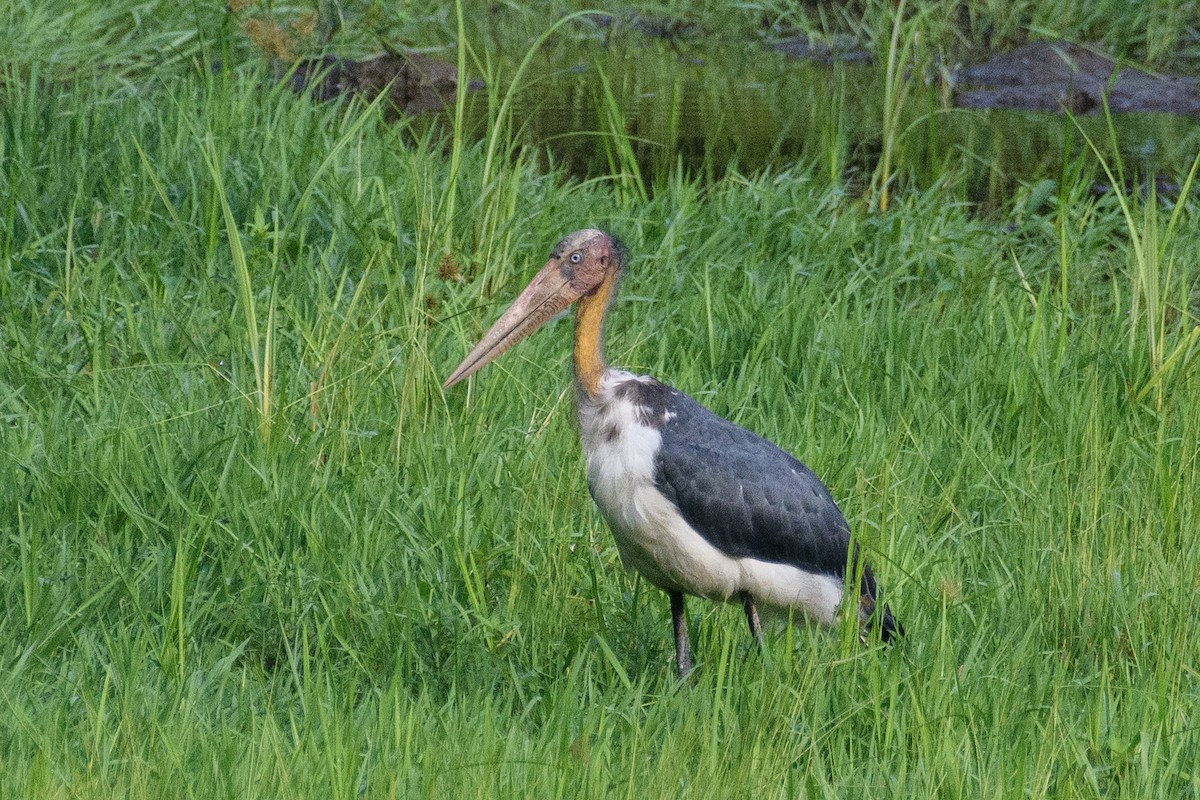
{"x": 697, "y": 505}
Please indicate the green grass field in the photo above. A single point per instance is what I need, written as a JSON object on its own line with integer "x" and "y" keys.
{"x": 250, "y": 549}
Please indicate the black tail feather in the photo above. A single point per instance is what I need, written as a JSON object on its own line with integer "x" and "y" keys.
{"x": 890, "y": 630}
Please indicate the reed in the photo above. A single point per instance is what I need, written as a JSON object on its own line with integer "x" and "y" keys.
{"x": 250, "y": 549}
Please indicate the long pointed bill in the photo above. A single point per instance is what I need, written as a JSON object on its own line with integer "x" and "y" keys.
{"x": 547, "y": 294}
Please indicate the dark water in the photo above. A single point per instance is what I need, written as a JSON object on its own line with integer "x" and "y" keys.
{"x": 743, "y": 106}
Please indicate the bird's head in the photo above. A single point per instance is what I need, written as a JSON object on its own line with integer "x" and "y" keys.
{"x": 579, "y": 264}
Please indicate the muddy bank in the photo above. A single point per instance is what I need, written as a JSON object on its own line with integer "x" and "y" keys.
{"x": 840, "y": 48}
{"x": 1057, "y": 76}
{"x": 413, "y": 82}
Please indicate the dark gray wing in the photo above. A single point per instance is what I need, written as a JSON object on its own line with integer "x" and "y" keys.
{"x": 744, "y": 495}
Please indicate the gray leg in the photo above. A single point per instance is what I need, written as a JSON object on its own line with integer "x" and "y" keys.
{"x": 683, "y": 649}
{"x": 752, "y": 618}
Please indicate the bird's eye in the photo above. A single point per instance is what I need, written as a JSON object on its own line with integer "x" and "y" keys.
{"x": 576, "y": 258}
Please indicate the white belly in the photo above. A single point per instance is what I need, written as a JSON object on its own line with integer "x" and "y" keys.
{"x": 652, "y": 536}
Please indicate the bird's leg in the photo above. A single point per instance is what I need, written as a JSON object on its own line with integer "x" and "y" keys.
{"x": 683, "y": 649}
{"x": 752, "y": 618}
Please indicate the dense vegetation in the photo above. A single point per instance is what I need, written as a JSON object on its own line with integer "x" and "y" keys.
{"x": 249, "y": 548}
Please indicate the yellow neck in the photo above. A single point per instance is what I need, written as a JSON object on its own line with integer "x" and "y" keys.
{"x": 589, "y": 336}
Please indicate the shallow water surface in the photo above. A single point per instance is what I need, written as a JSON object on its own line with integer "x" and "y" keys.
{"x": 743, "y": 105}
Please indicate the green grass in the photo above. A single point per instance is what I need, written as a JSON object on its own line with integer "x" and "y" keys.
{"x": 248, "y": 548}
